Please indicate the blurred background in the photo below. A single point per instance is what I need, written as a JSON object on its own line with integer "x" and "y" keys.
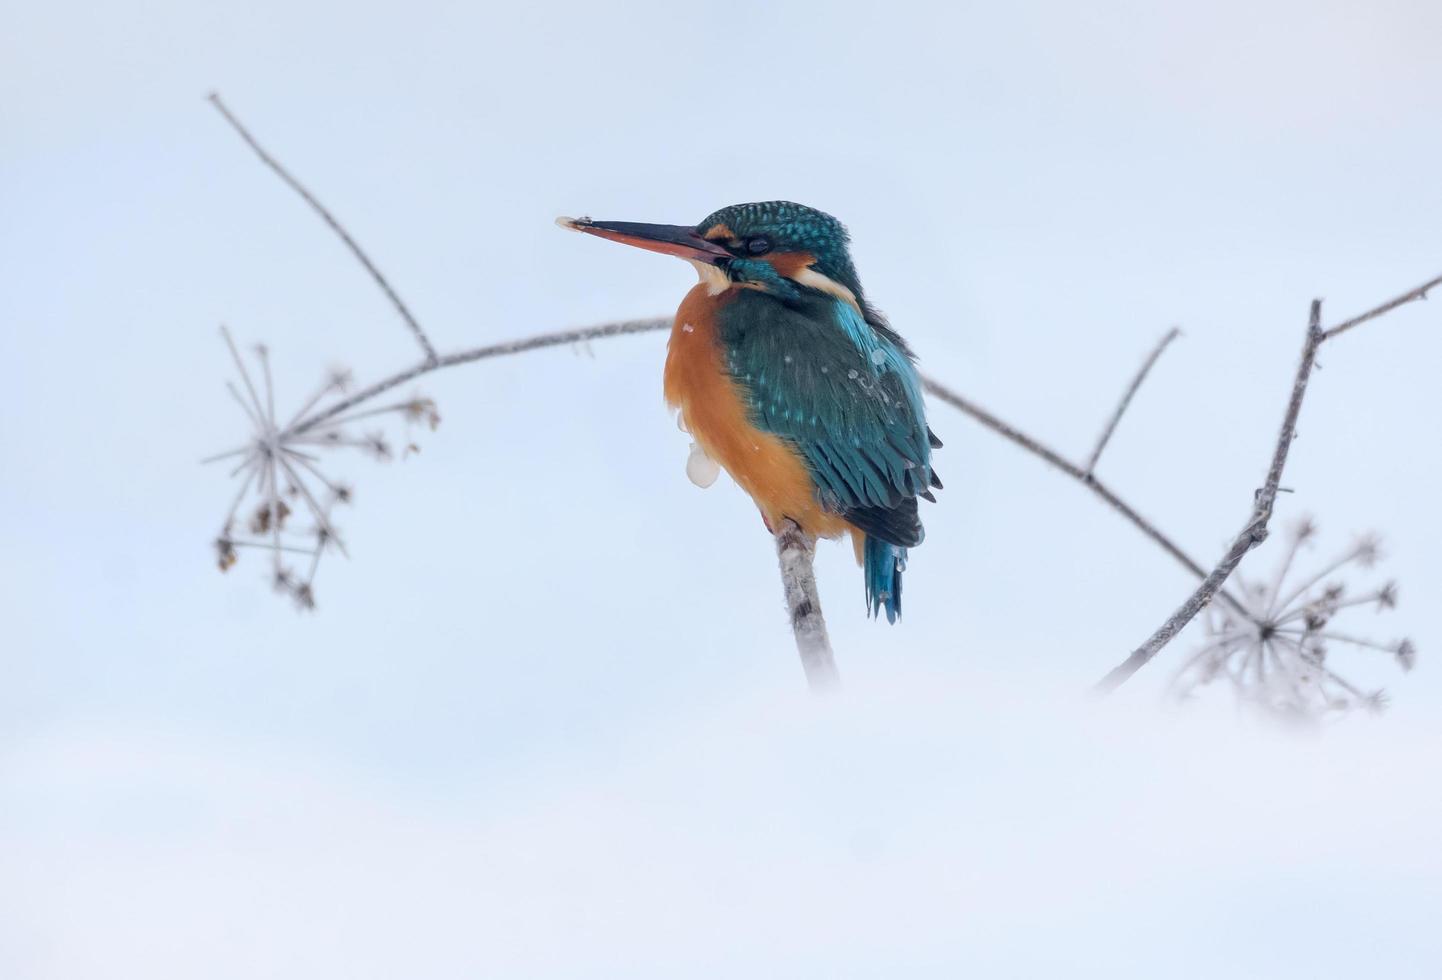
{"x": 548, "y": 720}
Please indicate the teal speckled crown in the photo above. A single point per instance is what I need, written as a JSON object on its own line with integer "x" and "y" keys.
{"x": 793, "y": 227}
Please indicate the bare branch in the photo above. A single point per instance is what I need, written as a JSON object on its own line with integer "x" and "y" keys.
{"x": 330, "y": 220}
{"x": 1131, "y": 392}
{"x": 1004, "y": 429}
{"x": 795, "y": 550}
{"x": 502, "y": 349}
{"x": 1256, "y": 530}
{"x": 1051, "y": 456}
{"x": 1252, "y": 534}
{"x": 1411, "y": 296}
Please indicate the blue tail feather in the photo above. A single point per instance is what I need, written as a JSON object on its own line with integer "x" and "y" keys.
{"x": 883, "y": 564}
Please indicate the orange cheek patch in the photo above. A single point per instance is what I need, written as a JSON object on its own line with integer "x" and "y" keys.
{"x": 720, "y": 233}
{"x": 790, "y": 264}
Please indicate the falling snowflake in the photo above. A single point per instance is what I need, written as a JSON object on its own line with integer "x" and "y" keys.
{"x": 1277, "y": 649}
{"x": 279, "y": 472}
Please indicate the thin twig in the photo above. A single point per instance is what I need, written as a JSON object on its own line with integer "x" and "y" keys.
{"x": 1328, "y": 569}
{"x": 1411, "y": 296}
{"x": 1251, "y": 535}
{"x": 502, "y": 349}
{"x": 1343, "y": 638}
{"x": 1273, "y": 593}
{"x": 330, "y": 220}
{"x": 1051, "y": 456}
{"x": 1126, "y": 401}
{"x": 795, "y": 551}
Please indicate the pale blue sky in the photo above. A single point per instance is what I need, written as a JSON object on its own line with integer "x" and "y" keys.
{"x": 541, "y": 611}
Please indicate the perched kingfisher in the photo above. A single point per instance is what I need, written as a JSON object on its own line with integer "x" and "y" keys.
{"x": 788, "y": 378}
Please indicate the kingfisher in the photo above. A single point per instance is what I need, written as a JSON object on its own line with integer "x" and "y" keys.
{"x": 787, "y": 377}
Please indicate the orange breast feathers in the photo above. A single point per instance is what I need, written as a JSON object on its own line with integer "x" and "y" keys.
{"x": 714, "y": 410}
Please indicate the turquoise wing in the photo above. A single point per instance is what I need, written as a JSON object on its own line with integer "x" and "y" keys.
{"x": 841, "y": 388}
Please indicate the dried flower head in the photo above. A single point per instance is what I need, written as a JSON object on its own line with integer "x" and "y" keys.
{"x": 279, "y": 471}
{"x": 1276, "y": 650}
{"x": 225, "y": 555}
{"x": 1368, "y": 550}
{"x": 1304, "y": 530}
{"x": 423, "y": 410}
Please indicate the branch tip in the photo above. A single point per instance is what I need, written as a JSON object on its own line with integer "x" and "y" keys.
{"x": 325, "y": 215}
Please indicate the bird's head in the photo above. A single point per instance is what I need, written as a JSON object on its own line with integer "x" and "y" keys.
{"x": 772, "y": 245}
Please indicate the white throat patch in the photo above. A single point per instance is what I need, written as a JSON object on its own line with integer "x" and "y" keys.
{"x": 717, "y": 282}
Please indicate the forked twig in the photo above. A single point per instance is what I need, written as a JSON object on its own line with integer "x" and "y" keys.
{"x": 1411, "y": 296}
{"x": 1256, "y": 529}
{"x": 1130, "y": 393}
{"x": 1037, "y": 448}
{"x": 330, "y": 220}
{"x": 1251, "y": 535}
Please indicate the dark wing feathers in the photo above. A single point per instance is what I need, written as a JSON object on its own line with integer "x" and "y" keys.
{"x": 899, "y": 525}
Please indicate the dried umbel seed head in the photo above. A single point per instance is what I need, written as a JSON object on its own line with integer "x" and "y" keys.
{"x": 225, "y": 553}
{"x": 1369, "y": 550}
{"x": 379, "y": 447}
{"x": 288, "y": 496}
{"x": 1280, "y": 653}
{"x": 270, "y": 513}
{"x": 423, "y": 410}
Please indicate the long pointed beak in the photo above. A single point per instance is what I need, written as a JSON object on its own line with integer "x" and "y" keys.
{"x": 679, "y": 240}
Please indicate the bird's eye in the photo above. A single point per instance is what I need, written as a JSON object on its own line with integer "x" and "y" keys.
{"x": 759, "y": 245}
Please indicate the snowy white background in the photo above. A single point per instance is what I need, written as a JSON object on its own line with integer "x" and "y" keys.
{"x": 549, "y": 722}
